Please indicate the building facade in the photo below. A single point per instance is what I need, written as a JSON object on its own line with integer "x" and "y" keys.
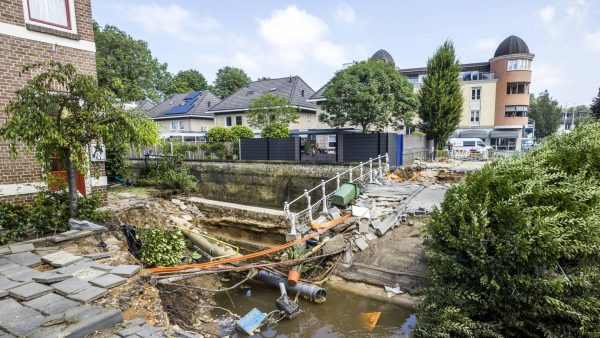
{"x": 36, "y": 31}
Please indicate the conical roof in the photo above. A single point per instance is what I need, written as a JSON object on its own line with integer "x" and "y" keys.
{"x": 512, "y": 45}
{"x": 383, "y": 55}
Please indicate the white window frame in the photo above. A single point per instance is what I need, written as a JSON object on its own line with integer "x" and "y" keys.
{"x": 475, "y": 117}
{"x": 518, "y": 64}
{"x": 173, "y": 125}
{"x": 72, "y": 23}
{"x": 181, "y": 125}
{"x": 475, "y": 93}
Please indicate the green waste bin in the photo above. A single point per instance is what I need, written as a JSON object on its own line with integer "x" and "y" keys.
{"x": 346, "y": 193}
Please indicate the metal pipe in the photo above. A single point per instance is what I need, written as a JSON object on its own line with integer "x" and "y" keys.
{"x": 309, "y": 291}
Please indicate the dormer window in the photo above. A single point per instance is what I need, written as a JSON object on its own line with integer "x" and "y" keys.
{"x": 55, "y": 14}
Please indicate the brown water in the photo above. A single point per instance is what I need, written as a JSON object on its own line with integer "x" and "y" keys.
{"x": 339, "y": 316}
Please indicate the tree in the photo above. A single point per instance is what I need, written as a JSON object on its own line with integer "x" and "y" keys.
{"x": 370, "y": 94}
{"x": 595, "y": 107}
{"x": 270, "y": 112}
{"x": 60, "y": 113}
{"x": 440, "y": 98}
{"x": 275, "y": 130}
{"x": 219, "y": 135}
{"x": 546, "y": 113}
{"x": 187, "y": 81}
{"x": 241, "y": 132}
{"x": 229, "y": 80}
{"x": 126, "y": 66}
{"x": 514, "y": 250}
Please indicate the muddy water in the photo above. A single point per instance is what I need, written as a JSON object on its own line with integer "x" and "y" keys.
{"x": 340, "y": 316}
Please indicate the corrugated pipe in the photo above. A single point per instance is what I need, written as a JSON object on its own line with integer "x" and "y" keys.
{"x": 309, "y": 291}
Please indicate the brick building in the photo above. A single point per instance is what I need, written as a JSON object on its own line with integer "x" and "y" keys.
{"x": 34, "y": 31}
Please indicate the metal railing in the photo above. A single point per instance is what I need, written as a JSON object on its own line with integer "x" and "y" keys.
{"x": 371, "y": 169}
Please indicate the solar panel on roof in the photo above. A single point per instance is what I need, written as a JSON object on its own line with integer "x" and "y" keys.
{"x": 182, "y": 108}
{"x": 192, "y": 95}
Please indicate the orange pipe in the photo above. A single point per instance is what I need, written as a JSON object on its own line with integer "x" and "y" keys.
{"x": 261, "y": 253}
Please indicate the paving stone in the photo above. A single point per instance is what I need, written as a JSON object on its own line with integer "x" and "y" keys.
{"x": 108, "y": 281}
{"x": 51, "y": 277}
{"x": 125, "y": 270}
{"x": 8, "y": 266}
{"x": 61, "y": 258}
{"x": 4, "y": 250}
{"x": 361, "y": 244}
{"x": 82, "y": 312}
{"x": 16, "y": 248}
{"x": 70, "y": 269}
{"x": 88, "y": 274}
{"x": 69, "y": 286}
{"x": 103, "y": 320}
{"x": 130, "y": 331}
{"x": 51, "y": 304}
{"x": 69, "y": 233}
{"x": 17, "y": 319}
{"x": 23, "y": 274}
{"x": 58, "y": 318}
{"x": 6, "y": 283}
{"x": 98, "y": 255}
{"x": 135, "y": 322}
{"x": 27, "y": 291}
{"x": 50, "y": 331}
{"x": 25, "y": 258}
{"x": 80, "y": 234}
{"x": 88, "y": 294}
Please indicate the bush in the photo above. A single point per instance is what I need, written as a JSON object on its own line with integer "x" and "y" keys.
{"x": 161, "y": 247}
{"x": 275, "y": 130}
{"x": 217, "y": 150}
{"x": 219, "y": 134}
{"x": 240, "y": 132}
{"x": 515, "y": 248}
{"x": 170, "y": 179}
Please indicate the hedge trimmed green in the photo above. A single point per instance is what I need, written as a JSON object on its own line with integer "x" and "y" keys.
{"x": 161, "y": 247}
{"x": 514, "y": 250}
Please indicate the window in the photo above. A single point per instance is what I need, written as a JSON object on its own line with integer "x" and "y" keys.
{"x": 56, "y": 14}
{"x": 228, "y": 121}
{"x": 475, "y": 94}
{"x": 517, "y": 88}
{"x": 480, "y": 144}
{"x": 568, "y": 126}
{"x": 519, "y": 64}
{"x": 302, "y": 92}
{"x": 468, "y": 143}
{"x": 516, "y": 111}
{"x": 173, "y": 125}
{"x": 475, "y": 117}
{"x": 181, "y": 125}
{"x": 238, "y": 120}
{"x": 208, "y": 104}
{"x": 506, "y": 144}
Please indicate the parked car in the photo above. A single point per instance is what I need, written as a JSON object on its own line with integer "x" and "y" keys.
{"x": 527, "y": 143}
{"x": 470, "y": 147}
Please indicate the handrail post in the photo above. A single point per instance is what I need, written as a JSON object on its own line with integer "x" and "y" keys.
{"x": 293, "y": 230}
{"x": 379, "y": 163}
{"x": 324, "y": 196}
{"x": 337, "y": 179}
{"x": 309, "y": 206}
{"x": 370, "y": 170}
{"x": 350, "y": 176}
{"x": 361, "y": 172}
{"x": 387, "y": 162}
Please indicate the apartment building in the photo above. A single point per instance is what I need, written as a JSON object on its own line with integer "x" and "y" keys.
{"x": 35, "y": 31}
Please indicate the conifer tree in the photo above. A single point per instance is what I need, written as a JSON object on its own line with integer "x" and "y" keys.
{"x": 595, "y": 107}
{"x": 440, "y": 96}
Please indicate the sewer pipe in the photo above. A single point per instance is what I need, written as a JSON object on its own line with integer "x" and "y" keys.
{"x": 309, "y": 291}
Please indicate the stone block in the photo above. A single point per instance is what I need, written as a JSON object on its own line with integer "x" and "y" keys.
{"x": 124, "y": 270}
{"x": 51, "y": 277}
{"x": 88, "y": 274}
{"x": 22, "y": 321}
{"x": 70, "y": 269}
{"x": 4, "y": 250}
{"x": 361, "y": 244}
{"x": 80, "y": 234}
{"x": 27, "y": 291}
{"x": 16, "y": 248}
{"x": 58, "y": 318}
{"x": 51, "y": 304}
{"x": 69, "y": 233}
{"x": 136, "y": 322}
{"x": 61, "y": 258}
{"x": 187, "y": 217}
{"x": 101, "y": 321}
{"x": 108, "y": 281}
{"x": 387, "y": 224}
{"x": 69, "y": 286}
{"x": 88, "y": 294}
{"x": 49, "y": 331}
{"x": 176, "y": 201}
{"x": 25, "y": 258}
{"x": 363, "y": 226}
{"x": 98, "y": 255}
{"x": 6, "y": 283}
{"x": 82, "y": 312}
{"x": 130, "y": 330}
{"x": 22, "y": 274}
{"x": 7, "y": 266}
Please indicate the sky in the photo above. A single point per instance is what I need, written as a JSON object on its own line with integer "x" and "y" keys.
{"x": 313, "y": 39}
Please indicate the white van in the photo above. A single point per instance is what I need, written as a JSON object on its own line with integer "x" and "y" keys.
{"x": 469, "y": 147}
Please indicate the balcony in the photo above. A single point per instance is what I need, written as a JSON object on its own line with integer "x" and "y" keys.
{"x": 476, "y": 76}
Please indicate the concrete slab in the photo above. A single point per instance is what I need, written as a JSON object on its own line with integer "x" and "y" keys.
{"x": 58, "y": 318}
{"x": 45, "y": 332}
{"x": 130, "y": 331}
{"x": 361, "y": 244}
{"x": 51, "y": 304}
{"x": 103, "y": 320}
{"x": 70, "y": 269}
{"x": 61, "y": 258}
{"x": 126, "y": 270}
{"x": 51, "y": 277}
{"x": 25, "y": 258}
{"x": 4, "y": 250}
{"x": 16, "y": 248}
{"x": 82, "y": 312}
{"x": 98, "y": 255}
{"x": 29, "y": 291}
{"x": 88, "y": 294}
{"x": 80, "y": 234}
{"x": 108, "y": 281}
{"x": 23, "y": 274}
{"x": 70, "y": 286}
{"x": 17, "y": 319}
{"x": 88, "y": 274}
{"x": 363, "y": 226}
{"x": 8, "y": 266}
{"x": 6, "y": 283}
{"x": 69, "y": 233}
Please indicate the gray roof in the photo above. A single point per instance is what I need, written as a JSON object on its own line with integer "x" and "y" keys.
{"x": 512, "y": 45}
{"x": 465, "y": 67}
{"x": 194, "y": 104}
{"x": 319, "y": 94}
{"x": 292, "y": 88}
{"x": 145, "y": 105}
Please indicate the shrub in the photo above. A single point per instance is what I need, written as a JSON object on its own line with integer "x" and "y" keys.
{"x": 219, "y": 134}
{"x": 161, "y": 247}
{"x": 240, "y": 132}
{"x": 217, "y": 150}
{"x": 275, "y": 130}
{"x": 515, "y": 248}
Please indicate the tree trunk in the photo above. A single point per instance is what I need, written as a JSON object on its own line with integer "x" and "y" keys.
{"x": 72, "y": 184}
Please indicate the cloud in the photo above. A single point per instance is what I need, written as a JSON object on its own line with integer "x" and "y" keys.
{"x": 344, "y": 13}
{"x": 545, "y": 75}
{"x": 173, "y": 20}
{"x": 246, "y": 62}
{"x": 488, "y": 44}
{"x": 547, "y": 14}
{"x": 592, "y": 40}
